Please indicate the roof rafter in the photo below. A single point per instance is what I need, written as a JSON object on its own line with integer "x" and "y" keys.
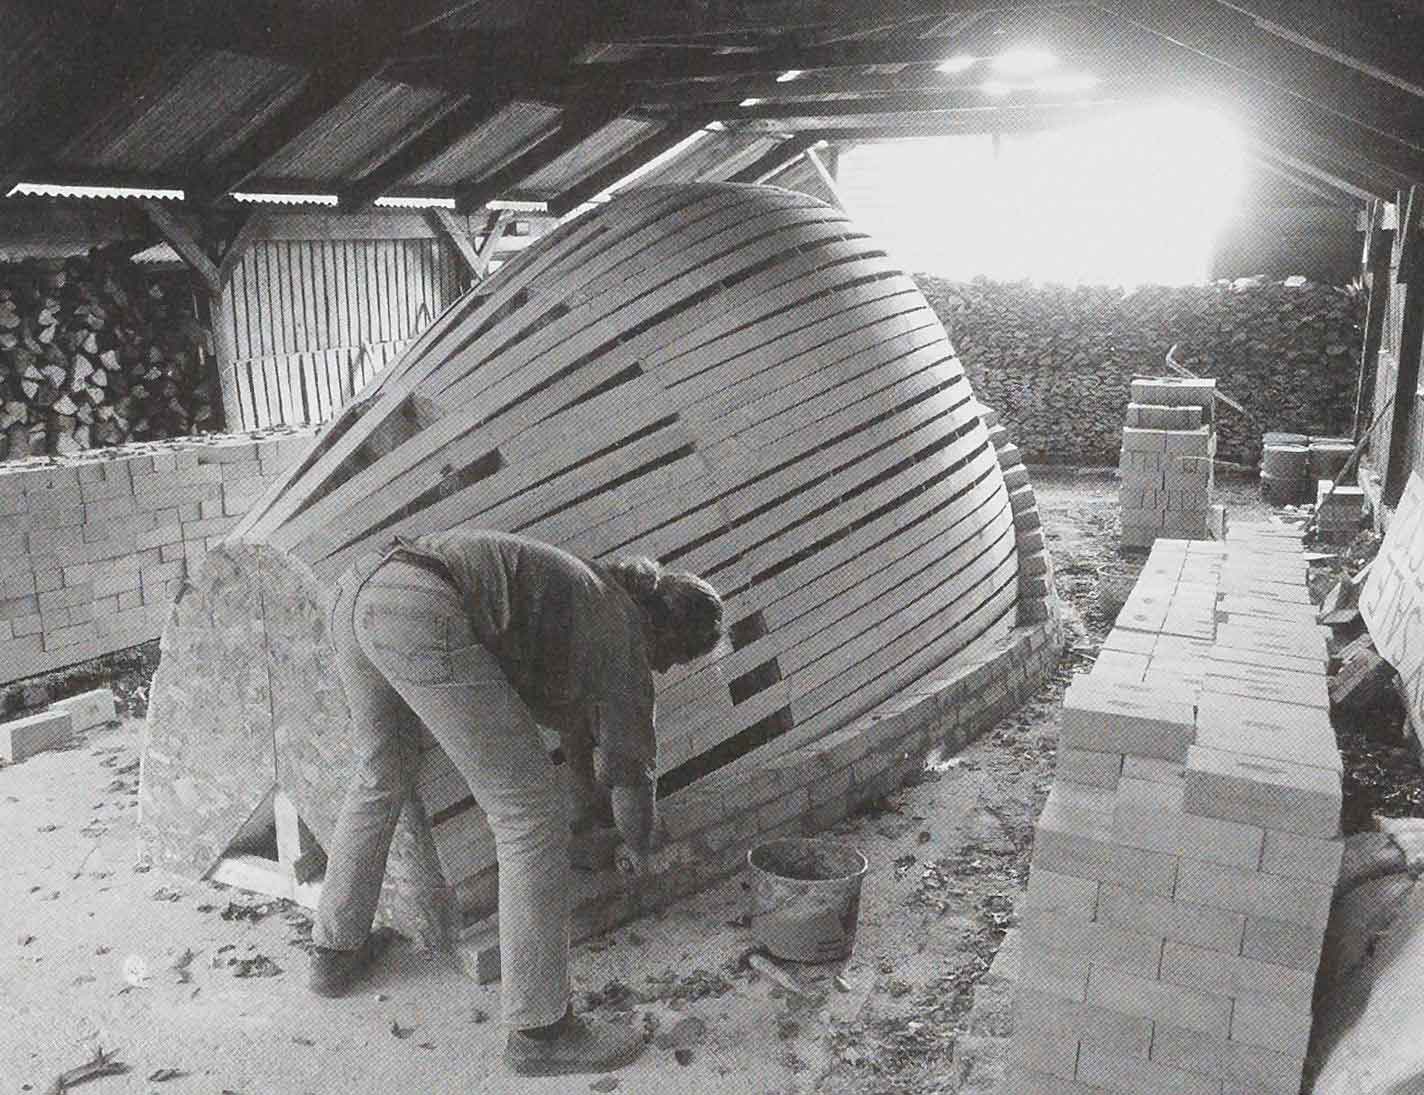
{"x": 1332, "y": 31}
{"x": 1310, "y": 184}
{"x": 1235, "y": 44}
{"x": 773, "y": 162}
{"x": 645, "y": 151}
{"x": 575, "y": 127}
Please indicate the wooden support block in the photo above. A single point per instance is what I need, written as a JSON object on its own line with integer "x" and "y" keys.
{"x": 21, "y": 739}
{"x": 88, "y": 709}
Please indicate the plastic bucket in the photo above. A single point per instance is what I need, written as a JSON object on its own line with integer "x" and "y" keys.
{"x": 805, "y": 899}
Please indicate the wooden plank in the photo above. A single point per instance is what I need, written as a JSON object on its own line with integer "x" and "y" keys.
{"x": 250, "y": 230}
{"x": 1407, "y": 353}
{"x": 182, "y": 239}
{"x": 452, "y": 230}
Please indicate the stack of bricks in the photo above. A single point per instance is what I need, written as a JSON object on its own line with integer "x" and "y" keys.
{"x": 1168, "y": 450}
{"x": 1037, "y": 598}
{"x": 1184, "y": 864}
{"x": 1338, "y": 510}
{"x": 94, "y": 547}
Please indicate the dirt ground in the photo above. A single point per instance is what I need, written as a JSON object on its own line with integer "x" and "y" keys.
{"x": 193, "y": 987}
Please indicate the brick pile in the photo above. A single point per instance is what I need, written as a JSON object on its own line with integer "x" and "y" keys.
{"x": 94, "y": 547}
{"x": 1184, "y": 864}
{"x": 1168, "y": 449}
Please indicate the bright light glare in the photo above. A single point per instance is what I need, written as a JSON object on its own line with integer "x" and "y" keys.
{"x": 996, "y": 88}
{"x": 415, "y": 203}
{"x": 1023, "y": 62}
{"x": 751, "y": 102}
{"x": 789, "y": 75}
{"x": 1130, "y": 199}
{"x": 1067, "y": 82}
{"x": 960, "y": 62}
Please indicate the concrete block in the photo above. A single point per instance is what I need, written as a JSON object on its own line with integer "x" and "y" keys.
{"x": 1272, "y": 1024}
{"x": 1150, "y": 815}
{"x": 23, "y": 738}
{"x": 1297, "y": 856}
{"x": 1153, "y": 769}
{"x": 1092, "y": 769}
{"x": 1102, "y": 1068}
{"x": 1260, "y": 791}
{"x": 1048, "y": 1050}
{"x": 1214, "y": 929}
{"x": 1148, "y": 998}
{"x": 1058, "y": 974}
{"x": 1247, "y": 1069}
{"x": 1220, "y": 974}
{"x": 1140, "y": 440}
{"x": 1261, "y": 895}
{"x": 1126, "y": 719}
{"x": 1283, "y": 943}
{"x": 1085, "y": 848}
{"x": 1039, "y": 1015}
{"x": 1101, "y": 944}
{"x": 88, "y": 709}
{"x": 1050, "y": 892}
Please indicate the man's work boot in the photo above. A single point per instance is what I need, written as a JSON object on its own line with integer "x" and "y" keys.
{"x": 572, "y": 1045}
{"x": 333, "y": 972}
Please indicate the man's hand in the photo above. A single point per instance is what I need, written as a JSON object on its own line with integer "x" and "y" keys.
{"x": 635, "y": 813}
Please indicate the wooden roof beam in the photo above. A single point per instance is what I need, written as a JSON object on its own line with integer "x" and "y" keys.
{"x": 443, "y": 134}
{"x": 1335, "y": 32}
{"x": 575, "y": 127}
{"x": 1235, "y": 44}
{"x": 668, "y": 138}
{"x": 637, "y": 20}
{"x": 1338, "y": 198}
{"x": 774, "y": 162}
{"x": 1336, "y": 182}
{"x": 330, "y": 81}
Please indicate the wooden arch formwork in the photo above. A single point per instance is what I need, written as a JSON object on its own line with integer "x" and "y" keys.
{"x": 732, "y": 379}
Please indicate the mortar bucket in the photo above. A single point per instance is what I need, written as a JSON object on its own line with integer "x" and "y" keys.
{"x": 805, "y": 899}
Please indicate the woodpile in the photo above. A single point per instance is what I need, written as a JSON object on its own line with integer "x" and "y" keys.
{"x": 95, "y": 353}
{"x": 1289, "y": 353}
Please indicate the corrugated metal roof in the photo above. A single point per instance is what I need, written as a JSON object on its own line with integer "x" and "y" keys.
{"x": 490, "y": 146}
{"x": 198, "y": 106}
{"x": 358, "y": 133}
{"x": 586, "y": 157}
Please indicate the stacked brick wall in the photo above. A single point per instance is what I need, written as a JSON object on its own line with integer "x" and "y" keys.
{"x": 1184, "y": 864}
{"x": 1057, "y": 361}
{"x": 1167, "y": 464}
{"x": 94, "y": 547}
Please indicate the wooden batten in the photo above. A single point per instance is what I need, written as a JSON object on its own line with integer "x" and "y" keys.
{"x": 730, "y": 378}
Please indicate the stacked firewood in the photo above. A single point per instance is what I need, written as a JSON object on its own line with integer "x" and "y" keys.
{"x": 1288, "y": 351}
{"x": 94, "y": 352}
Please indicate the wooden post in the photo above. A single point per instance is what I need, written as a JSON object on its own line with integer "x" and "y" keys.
{"x": 181, "y": 237}
{"x": 1379, "y": 244}
{"x": 448, "y": 227}
{"x": 827, "y": 178}
{"x": 1411, "y": 341}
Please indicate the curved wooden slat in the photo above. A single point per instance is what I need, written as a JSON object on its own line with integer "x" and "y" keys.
{"x": 733, "y": 379}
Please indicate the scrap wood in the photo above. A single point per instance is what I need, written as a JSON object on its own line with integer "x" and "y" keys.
{"x": 102, "y": 1064}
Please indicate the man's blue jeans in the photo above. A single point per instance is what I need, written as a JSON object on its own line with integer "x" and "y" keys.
{"x": 404, "y": 647}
